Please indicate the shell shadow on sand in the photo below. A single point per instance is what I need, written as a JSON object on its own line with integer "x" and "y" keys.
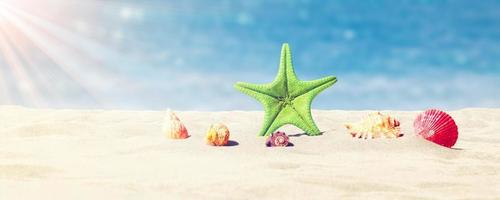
{"x": 288, "y": 145}
{"x": 231, "y": 143}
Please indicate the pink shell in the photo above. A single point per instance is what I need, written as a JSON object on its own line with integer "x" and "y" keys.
{"x": 436, "y": 126}
{"x": 278, "y": 139}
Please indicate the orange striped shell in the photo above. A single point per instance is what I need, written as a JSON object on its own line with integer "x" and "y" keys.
{"x": 217, "y": 135}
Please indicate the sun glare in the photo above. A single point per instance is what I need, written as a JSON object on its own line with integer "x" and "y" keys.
{"x": 69, "y": 60}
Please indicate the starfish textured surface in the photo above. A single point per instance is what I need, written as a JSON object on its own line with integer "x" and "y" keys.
{"x": 287, "y": 100}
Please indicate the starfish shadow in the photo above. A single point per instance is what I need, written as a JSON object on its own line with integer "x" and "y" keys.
{"x": 302, "y": 134}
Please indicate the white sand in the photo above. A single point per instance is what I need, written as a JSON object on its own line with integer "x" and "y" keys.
{"x": 70, "y": 154}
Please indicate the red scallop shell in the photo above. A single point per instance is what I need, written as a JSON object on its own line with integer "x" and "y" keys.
{"x": 436, "y": 126}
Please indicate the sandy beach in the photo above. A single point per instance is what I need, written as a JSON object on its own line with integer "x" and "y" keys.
{"x": 101, "y": 154}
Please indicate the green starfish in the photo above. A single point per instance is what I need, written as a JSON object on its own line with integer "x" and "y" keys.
{"x": 287, "y": 100}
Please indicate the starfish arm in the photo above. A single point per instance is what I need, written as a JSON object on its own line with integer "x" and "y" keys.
{"x": 286, "y": 115}
{"x": 271, "y": 119}
{"x": 256, "y": 90}
{"x": 273, "y": 126}
{"x": 286, "y": 63}
{"x": 314, "y": 91}
{"x": 286, "y": 74}
{"x": 307, "y": 122}
{"x": 272, "y": 106}
{"x": 302, "y": 87}
{"x": 291, "y": 115}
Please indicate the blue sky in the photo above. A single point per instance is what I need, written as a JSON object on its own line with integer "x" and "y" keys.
{"x": 186, "y": 55}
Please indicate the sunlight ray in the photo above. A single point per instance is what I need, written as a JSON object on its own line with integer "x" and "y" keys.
{"x": 57, "y": 54}
{"x": 5, "y": 97}
{"x": 42, "y": 75}
{"x": 74, "y": 41}
{"x": 23, "y": 82}
{"x": 75, "y": 54}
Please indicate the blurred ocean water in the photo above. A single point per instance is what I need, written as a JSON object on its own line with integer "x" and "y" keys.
{"x": 386, "y": 54}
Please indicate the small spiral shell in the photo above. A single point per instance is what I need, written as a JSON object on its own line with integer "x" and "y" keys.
{"x": 278, "y": 139}
{"x": 217, "y": 135}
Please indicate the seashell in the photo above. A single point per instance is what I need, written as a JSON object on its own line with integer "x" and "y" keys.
{"x": 218, "y": 135}
{"x": 173, "y": 127}
{"x": 436, "y": 126}
{"x": 277, "y": 139}
{"x": 375, "y": 125}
